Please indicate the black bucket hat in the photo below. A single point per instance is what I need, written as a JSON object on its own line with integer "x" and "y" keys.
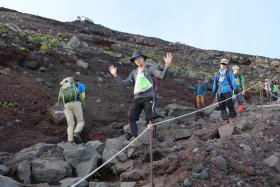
{"x": 137, "y": 54}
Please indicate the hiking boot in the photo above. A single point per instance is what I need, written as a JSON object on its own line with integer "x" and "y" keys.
{"x": 77, "y": 137}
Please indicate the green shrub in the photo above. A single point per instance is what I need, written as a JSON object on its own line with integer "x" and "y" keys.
{"x": 72, "y": 53}
{"x": 45, "y": 47}
{"x": 54, "y": 42}
{"x": 21, "y": 35}
{"x": 23, "y": 49}
{"x": 59, "y": 34}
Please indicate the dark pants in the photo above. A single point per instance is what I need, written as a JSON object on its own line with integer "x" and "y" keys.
{"x": 229, "y": 104}
{"x": 239, "y": 97}
{"x": 135, "y": 110}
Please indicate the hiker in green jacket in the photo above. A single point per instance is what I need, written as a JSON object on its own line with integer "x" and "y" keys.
{"x": 240, "y": 91}
{"x": 275, "y": 90}
{"x": 144, "y": 93}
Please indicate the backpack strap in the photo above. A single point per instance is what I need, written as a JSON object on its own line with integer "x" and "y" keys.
{"x": 227, "y": 76}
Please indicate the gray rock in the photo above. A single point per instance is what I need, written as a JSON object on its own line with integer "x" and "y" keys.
{"x": 177, "y": 133}
{"x": 122, "y": 167}
{"x": 94, "y": 144}
{"x": 128, "y": 184}
{"x": 245, "y": 147}
{"x": 82, "y": 64}
{"x": 273, "y": 162}
{"x": 102, "y": 184}
{"x": 32, "y": 152}
{"x": 32, "y": 65}
{"x": 243, "y": 124}
{"x": 130, "y": 176}
{"x": 8, "y": 182}
{"x": 108, "y": 154}
{"x": 175, "y": 110}
{"x": 187, "y": 182}
{"x": 43, "y": 69}
{"x": 4, "y": 170}
{"x": 56, "y": 114}
{"x": 40, "y": 80}
{"x": 85, "y": 168}
{"x": 67, "y": 182}
{"x": 202, "y": 175}
{"x": 13, "y": 27}
{"x": 219, "y": 162}
{"x": 115, "y": 143}
{"x": 100, "y": 80}
{"x": 84, "y": 45}
{"x": 74, "y": 42}
{"x": 50, "y": 171}
{"x": 24, "y": 171}
{"x": 76, "y": 154}
{"x": 225, "y": 130}
{"x": 216, "y": 115}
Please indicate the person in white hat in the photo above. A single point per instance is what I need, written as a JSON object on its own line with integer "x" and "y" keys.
{"x": 267, "y": 87}
{"x": 223, "y": 86}
{"x": 240, "y": 81}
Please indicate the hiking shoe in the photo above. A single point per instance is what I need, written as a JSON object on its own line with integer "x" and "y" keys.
{"x": 77, "y": 137}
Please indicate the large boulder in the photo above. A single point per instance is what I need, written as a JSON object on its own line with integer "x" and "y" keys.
{"x": 50, "y": 171}
{"x": 86, "y": 167}
{"x": 174, "y": 110}
{"x": 8, "y": 182}
{"x": 32, "y": 152}
{"x": 102, "y": 184}
{"x": 178, "y": 134}
{"x": 24, "y": 171}
{"x": 115, "y": 143}
{"x": 273, "y": 161}
{"x": 73, "y": 43}
{"x": 4, "y": 170}
{"x": 67, "y": 182}
{"x": 225, "y": 130}
{"x": 75, "y": 154}
{"x": 133, "y": 175}
{"x": 56, "y": 114}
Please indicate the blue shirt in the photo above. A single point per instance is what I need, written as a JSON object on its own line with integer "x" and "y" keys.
{"x": 81, "y": 88}
{"x": 222, "y": 85}
{"x": 200, "y": 89}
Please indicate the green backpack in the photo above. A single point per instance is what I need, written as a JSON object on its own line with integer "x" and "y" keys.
{"x": 68, "y": 91}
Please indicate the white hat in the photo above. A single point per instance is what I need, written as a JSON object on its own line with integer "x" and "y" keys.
{"x": 224, "y": 61}
{"x": 235, "y": 67}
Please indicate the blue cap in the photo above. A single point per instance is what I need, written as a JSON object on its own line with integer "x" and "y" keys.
{"x": 137, "y": 54}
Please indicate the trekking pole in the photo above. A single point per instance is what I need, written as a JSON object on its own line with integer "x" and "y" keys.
{"x": 151, "y": 153}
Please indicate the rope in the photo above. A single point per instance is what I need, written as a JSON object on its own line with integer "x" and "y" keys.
{"x": 214, "y": 104}
{"x": 94, "y": 171}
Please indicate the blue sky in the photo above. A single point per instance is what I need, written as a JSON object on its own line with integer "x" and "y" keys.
{"x": 243, "y": 26}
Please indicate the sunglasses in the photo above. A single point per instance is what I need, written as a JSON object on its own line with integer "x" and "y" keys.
{"x": 223, "y": 63}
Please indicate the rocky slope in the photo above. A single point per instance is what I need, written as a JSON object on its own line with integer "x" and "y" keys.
{"x": 36, "y": 53}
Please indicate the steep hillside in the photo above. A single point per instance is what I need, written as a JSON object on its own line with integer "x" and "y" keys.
{"x": 36, "y": 53}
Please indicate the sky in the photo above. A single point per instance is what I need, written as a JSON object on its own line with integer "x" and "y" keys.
{"x": 242, "y": 26}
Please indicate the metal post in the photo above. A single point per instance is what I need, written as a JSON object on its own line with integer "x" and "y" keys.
{"x": 151, "y": 156}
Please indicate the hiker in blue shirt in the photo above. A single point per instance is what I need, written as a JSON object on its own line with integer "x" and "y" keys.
{"x": 200, "y": 91}
{"x": 144, "y": 93}
{"x": 224, "y": 85}
{"x": 72, "y": 95}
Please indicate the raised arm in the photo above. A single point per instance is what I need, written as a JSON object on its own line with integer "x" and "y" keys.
{"x": 125, "y": 83}
{"x": 161, "y": 74}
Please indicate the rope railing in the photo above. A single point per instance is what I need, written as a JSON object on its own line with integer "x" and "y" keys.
{"x": 154, "y": 124}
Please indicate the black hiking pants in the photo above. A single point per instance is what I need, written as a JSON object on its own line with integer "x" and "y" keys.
{"x": 146, "y": 103}
{"x": 227, "y": 104}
